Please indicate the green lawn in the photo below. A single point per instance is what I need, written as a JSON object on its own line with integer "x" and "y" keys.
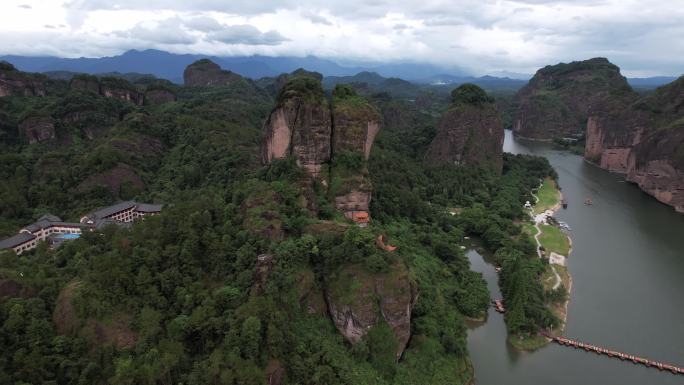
{"x": 548, "y": 195}
{"x": 529, "y": 228}
{"x": 553, "y": 239}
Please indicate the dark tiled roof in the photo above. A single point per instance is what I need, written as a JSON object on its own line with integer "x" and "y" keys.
{"x": 16, "y": 240}
{"x": 49, "y": 218}
{"x": 102, "y": 223}
{"x": 69, "y": 224}
{"x": 33, "y": 227}
{"x": 111, "y": 210}
{"x": 148, "y": 208}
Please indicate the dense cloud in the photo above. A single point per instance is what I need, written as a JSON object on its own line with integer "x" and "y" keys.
{"x": 484, "y": 36}
{"x": 246, "y": 34}
{"x": 169, "y": 31}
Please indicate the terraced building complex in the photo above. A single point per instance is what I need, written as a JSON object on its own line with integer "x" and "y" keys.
{"x": 52, "y": 229}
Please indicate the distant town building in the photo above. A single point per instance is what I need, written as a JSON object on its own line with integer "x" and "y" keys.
{"x": 53, "y": 230}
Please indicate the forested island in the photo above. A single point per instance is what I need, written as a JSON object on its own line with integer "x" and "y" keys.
{"x": 322, "y": 246}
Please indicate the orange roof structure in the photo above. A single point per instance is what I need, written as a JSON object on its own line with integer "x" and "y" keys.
{"x": 360, "y": 217}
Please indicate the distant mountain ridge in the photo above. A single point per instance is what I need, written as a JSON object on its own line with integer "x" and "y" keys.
{"x": 170, "y": 66}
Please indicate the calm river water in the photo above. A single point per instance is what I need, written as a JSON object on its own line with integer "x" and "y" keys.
{"x": 627, "y": 266}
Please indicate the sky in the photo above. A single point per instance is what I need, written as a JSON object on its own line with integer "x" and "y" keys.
{"x": 644, "y": 38}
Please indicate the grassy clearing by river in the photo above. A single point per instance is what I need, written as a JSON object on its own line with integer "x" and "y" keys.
{"x": 554, "y": 240}
{"x": 560, "y": 309}
{"x": 527, "y": 343}
{"x": 549, "y": 196}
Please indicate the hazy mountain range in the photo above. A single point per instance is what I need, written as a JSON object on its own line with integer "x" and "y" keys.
{"x": 170, "y": 66}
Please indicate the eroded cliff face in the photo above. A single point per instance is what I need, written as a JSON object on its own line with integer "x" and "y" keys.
{"x": 120, "y": 89}
{"x": 300, "y": 125}
{"x": 36, "y": 129}
{"x": 203, "y": 73}
{"x": 158, "y": 96}
{"x": 355, "y": 125}
{"x": 645, "y": 141}
{"x": 609, "y": 146}
{"x": 656, "y": 164}
{"x": 17, "y": 83}
{"x": 358, "y": 301}
{"x": 470, "y": 132}
{"x": 110, "y": 87}
{"x": 558, "y": 99}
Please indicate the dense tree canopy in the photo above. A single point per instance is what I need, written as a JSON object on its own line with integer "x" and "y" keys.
{"x": 177, "y": 299}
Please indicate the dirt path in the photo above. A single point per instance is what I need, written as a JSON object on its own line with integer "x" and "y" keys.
{"x": 559, "y": 281}
{"x": 558, "y": 278}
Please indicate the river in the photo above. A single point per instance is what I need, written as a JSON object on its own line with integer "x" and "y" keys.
{"x": 627, "y": 266}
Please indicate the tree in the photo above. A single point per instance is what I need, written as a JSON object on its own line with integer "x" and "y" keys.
{"x": 250, "y": 337}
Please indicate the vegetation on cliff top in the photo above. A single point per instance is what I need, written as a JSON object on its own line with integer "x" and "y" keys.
{"x": 305, "y": 88}
{"x": 470, "y": 94}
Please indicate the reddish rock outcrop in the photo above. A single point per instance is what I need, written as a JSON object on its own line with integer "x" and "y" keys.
{"x": 205, "y": 72}
{"x": 355, "y": 125}
{"x": 275, "y": 372}
{"x": 262, "y": 271}
{"x": 656, "y": 164}
{"x": 557, "y": 101}
{"x": 470, "y": 131}
{"x": 300, "y": 125}
{"x": 121, "y": 89}
{"x": 17, "y": 83}
{"x": 609, "y": 146}
{"x": 355, "y": 121}
{"x": 37, "y": 129}
{"x": 354, "y": 197}
{"x": 311, "y": 297}
{"x": 158, "y": 96}
{"x": 114, "y": 179}
{"x": 332, "y": 147}
{"x": 644, "y": 140}
{"x": 357, "y": 301}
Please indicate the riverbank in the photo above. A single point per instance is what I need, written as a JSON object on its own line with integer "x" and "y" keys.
{"x": 556, "y": 245}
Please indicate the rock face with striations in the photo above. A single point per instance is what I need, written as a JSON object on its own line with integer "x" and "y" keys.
{"x": 17, "y": 83}
{"x": 645, "y": 141}
{"x": 121, "y": 89}
{"x": 205, "y": 72}
{"x": 355, "y": 125}
{"x": 332, "y": 146}
{"x": 159, "y": 95}
{"x": 558, "y": 99}
{"x": 37, "y": 129}
{"x": 470, "y": 131}
{"x": 358, "y": 301}
{"x": 300, "y": 126}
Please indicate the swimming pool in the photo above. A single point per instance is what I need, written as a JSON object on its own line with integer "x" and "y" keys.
{"x": 68, "y": 236}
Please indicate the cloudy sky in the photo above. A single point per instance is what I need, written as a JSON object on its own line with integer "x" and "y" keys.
{"x": 644, "y": 37}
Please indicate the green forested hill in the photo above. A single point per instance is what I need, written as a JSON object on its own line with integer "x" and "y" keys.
{"x": 234, "y": 281}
